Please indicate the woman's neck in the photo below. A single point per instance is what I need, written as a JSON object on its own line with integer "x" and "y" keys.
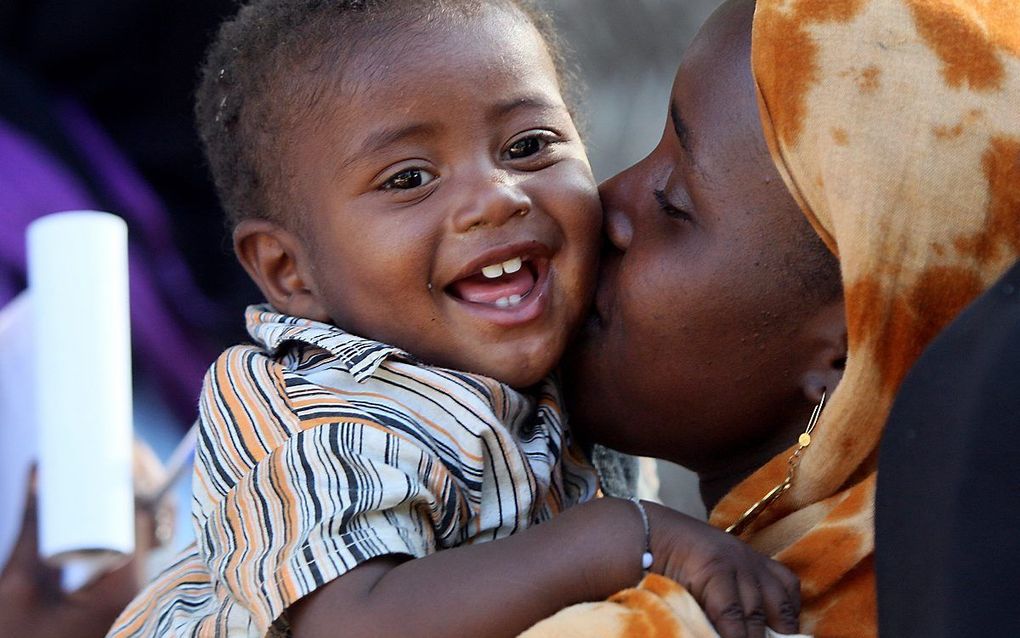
{"x": 714, "y": 483}
{"x": 714, "y": 486}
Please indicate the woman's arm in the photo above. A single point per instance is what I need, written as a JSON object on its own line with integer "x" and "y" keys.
{"x": 587, "y": 553}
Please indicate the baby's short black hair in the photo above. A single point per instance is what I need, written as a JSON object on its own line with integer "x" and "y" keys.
{"x": 270, "y": 66}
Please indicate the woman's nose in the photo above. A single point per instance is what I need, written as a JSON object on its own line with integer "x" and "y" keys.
{"x": 618, "y": 223}
{"x": 492, "y": 202}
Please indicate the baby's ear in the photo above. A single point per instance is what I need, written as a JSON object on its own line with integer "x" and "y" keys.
{"x": 279, "y": 263}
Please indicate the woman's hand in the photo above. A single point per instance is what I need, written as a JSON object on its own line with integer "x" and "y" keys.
{"x": 740, "y": 590}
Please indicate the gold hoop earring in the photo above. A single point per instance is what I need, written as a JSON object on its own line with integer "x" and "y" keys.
{"x": 803, "y": 441}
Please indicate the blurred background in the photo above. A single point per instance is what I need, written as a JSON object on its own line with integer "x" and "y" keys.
{"x": 626, "y": 52}
{"x": 96, "y": 113}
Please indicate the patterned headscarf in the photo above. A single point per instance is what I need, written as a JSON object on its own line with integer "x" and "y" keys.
{"x": 896, "y": 126}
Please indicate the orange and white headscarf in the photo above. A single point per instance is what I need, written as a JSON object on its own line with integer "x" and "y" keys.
{"x": 896, "y": 126}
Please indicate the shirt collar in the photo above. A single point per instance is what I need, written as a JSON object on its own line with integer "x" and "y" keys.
{"x": 361, "y": 357}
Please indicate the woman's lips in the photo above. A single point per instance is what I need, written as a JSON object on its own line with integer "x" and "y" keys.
{"x": 603, "y": 299}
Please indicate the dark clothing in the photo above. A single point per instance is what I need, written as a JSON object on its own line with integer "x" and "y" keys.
{"x": 948, "y": 504}
{"x": 133, "y": 66}
{"x": 96, "y": 114}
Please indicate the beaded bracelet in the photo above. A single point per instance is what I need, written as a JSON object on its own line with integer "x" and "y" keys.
{"x": 646, "y": 557}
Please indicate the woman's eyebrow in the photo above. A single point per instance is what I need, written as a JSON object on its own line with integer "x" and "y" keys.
{"x": 683, "y": 133}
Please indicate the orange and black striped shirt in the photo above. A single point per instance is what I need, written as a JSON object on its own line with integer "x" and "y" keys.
{"x": 319, "y": 450}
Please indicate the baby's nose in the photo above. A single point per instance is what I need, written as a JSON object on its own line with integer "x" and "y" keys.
{"x": 493, "y": 203}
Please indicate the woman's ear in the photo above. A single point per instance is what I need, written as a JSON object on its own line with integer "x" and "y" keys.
{"x": 825, "y": 334}
{"x": 279, "y": 263}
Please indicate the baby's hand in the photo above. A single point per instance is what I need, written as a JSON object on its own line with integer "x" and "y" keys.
{"x": 740, "y": 590}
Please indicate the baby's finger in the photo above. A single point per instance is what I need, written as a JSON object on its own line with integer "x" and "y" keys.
{"x": 754, "y": 605}
{"x": 788, "y": 580}
{"x": 723, "y": 605}
{"x": 782, "y": 611}
{"x": 790, "y": 584}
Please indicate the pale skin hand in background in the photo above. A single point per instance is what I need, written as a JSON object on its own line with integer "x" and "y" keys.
{"x": 31, "y": 599}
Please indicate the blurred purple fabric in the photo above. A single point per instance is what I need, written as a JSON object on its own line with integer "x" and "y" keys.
{"x": 167, "y": 308}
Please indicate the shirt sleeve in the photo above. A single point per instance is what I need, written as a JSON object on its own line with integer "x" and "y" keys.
{"x": 315, "y": 504}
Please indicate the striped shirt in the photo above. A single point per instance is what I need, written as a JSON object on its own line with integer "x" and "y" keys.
{"x": 319, "y": 450}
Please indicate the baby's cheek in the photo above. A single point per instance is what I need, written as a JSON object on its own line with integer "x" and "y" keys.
{"x": 587, "y": 236}
{"x": 591, "y": 218}
{"x": 574, "y": 188}
{"x": 580, "y": 279}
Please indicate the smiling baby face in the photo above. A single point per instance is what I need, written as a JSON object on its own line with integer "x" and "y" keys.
{"x": 445, "y": 202}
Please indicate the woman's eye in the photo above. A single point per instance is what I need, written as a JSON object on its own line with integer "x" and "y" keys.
{"x": 670, "y": 209}
{"x": 407, "y": 179}
{"x": 525, "y": 147}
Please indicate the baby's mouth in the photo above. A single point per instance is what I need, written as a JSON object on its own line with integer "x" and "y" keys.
{"x": 501, "y": 285}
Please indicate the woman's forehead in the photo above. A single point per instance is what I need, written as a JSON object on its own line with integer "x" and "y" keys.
{"x": 713, "y": 93}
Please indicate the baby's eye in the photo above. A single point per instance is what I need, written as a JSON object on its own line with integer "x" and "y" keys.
{"x": 407, "y": 179}
{"x": 526, "y": 146}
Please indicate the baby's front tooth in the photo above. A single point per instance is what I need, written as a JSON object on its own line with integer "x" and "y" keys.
{"x": 512, "y": 265}
{"x": 514, "y": 300}
{"x": 503, "y": 302}
{"x": 494, "y": 271}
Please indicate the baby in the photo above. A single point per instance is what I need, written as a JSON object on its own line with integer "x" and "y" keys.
{"x": 409, "y": 192}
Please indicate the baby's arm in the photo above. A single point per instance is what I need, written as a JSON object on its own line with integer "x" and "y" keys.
{"x": 587, "y": 553}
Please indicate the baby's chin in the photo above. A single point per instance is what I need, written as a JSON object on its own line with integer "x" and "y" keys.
{"x": 524, "y": 374}
{"x": 520, "y": 366}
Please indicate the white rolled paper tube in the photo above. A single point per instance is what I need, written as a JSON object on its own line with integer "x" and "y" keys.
{"x": 78, "y": 278}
